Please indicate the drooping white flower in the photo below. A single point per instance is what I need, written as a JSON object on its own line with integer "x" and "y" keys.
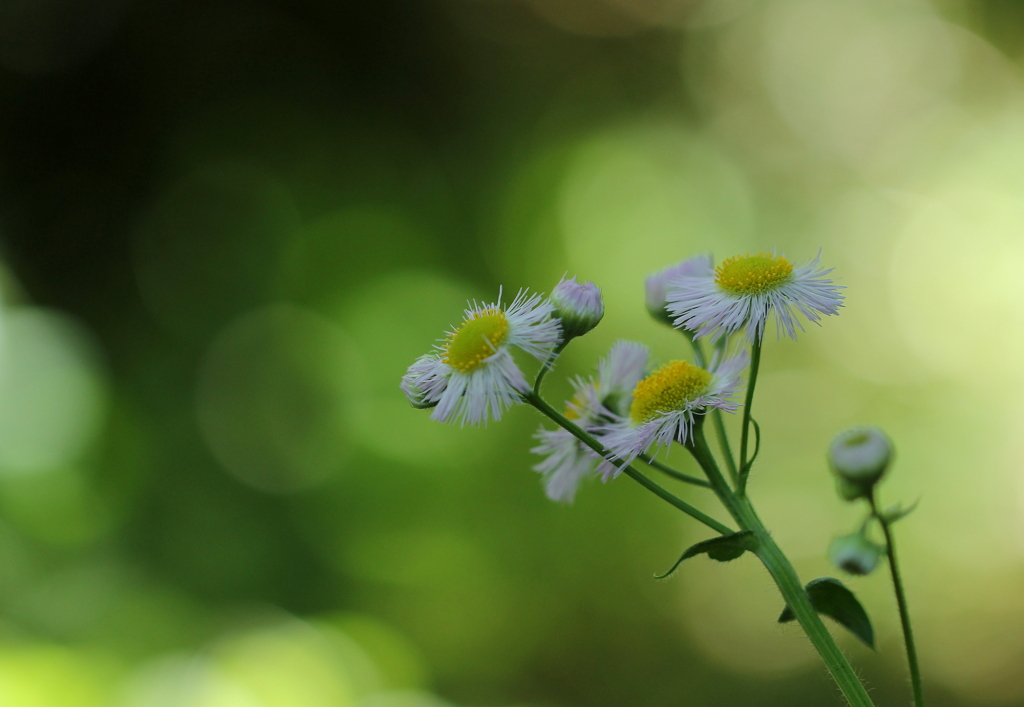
{"x": 472, "y": 377}
{"x": 664, "y": 405}
{"x": 578, "y": 306}
{"x": 656, "y": 284}
{"x": 594, "y": 404}
{"x": 744, "y": 290}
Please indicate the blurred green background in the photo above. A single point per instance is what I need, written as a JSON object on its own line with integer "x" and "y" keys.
{"x": 228, "y": 227}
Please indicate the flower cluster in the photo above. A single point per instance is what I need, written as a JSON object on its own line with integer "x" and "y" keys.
{"x": 630, "y": 410}
{"x": 472, "y": 377}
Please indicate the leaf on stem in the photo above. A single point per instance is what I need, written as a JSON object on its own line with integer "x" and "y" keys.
{"x": 723, "y": 549}
{"x": 896, "y": 511}
{"x": 830, "y": 597}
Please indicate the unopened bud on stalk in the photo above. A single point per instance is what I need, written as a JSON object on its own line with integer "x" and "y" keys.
{"x": 855, "y": 554}
{"x": 656, "y": 285}
{"x": 858, "y": 457}
{"x": 579, "y": 306}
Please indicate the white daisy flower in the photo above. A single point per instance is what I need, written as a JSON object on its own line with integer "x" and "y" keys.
{"x": 665, "y": 403}
{"x": 744, "y": 290}
{"x": 472, "y": 376}
{"x": 656, "y": 284}
{"x": 594, "y": 404}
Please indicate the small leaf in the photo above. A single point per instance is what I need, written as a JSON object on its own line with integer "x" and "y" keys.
{"x": 723, "y": 549}
{"x": 830, "y": 597}
{"x": 896, "y": 511}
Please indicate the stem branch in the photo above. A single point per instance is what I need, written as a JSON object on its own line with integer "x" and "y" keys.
{"x": 562, "y": 421}
{"x": 669, "y": 471}
{"x": 547, "y": 366}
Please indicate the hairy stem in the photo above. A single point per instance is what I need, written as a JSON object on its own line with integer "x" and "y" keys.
{"x": 785, "y": 576}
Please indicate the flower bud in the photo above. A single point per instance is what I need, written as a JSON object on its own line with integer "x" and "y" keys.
{"x": 421, "y": 384}
{"x": 579, "y": 306}
{"x": 855, "y": 554}
{"x": 858, "y": 457}
{"x": 656, "y": 285}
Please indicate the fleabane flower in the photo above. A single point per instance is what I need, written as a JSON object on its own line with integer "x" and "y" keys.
{"x": 665, "y": 404}
{"x": 656, "y": 284}
{"x": 472, "y": 377}
{"x": 594, "y": 404}
{"x": 743, "y": 290}
{"x": 578, "y": 306}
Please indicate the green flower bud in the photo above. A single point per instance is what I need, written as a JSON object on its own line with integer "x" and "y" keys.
{"x": 855, "y": 554}
{"x": 858, "y": 457}
{"x": 579, "y": 306}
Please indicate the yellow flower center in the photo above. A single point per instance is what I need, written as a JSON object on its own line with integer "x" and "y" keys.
{"x": 668, "y": 389}
{"x": 477, "y": 338}
{"x": 753, "y": 274}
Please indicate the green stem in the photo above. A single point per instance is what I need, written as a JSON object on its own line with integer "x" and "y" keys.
{"x": 669, "y": 471}
{"x": 716, "y": 414}
{"x": 782, "y": 572}
{"x": 548, "y": 365}
{"x": 901, "y": 602}
{"x": 755, "y": 363}
{"x": 723, "y": 441}
{"x": 698, "y": 350}
{"x": 588, "y": 440}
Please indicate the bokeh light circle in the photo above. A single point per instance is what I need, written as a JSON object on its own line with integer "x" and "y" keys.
{"x": 642, "y": 197}
{"x": 53, "y": 394}
{"x": 273, "y": 398}
{"x": 851, "y": 77}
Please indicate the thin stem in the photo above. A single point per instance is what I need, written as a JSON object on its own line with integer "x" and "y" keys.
{"x": 698, "y": 447}
{"x": 901, "y": 602}
{"x": 786, "y": 578}
{"x": 548, "y": 365}
{"x": 588, "y": 440}
{"x": 755, "y": 362}
{"x": 698, "y": 350}
{"x": 669, "y": 471}
{"x": 723, "y": 441}
{"x": 716, "y": 414}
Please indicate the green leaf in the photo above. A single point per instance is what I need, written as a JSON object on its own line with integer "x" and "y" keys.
{"x": 830, "y": 597}
{"x": 896, "y": 511}
{"x": 723, "y": 549}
